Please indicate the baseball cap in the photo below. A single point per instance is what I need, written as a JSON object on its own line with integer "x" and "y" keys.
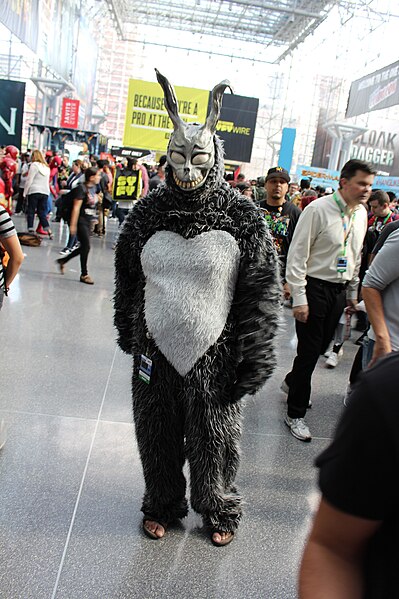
{"x": 278, "y": 172}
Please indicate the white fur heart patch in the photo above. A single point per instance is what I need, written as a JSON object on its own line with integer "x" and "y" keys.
{"x": 188, "y": 293}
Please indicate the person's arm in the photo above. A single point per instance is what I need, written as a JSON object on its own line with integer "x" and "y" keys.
{"x": 294, "y": 215}
{"x": 297, "y": 259}
{"x": 375, "y": 312}
{"x": 77, "y": 204}
{"x": 382, "y": 272}
{"x": 14, "y": 250}
{"x": 353, "y": 287}
{"x": 352, "y": 291}
{"x": 144, "y": 175}
{"x": 256, "y": 305}
{"x": 331, "y": 566}
{"x": 129, "y": 279}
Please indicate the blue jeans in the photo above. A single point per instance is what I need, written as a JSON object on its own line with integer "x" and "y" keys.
{"x": 37, "y": 202}
{"x": 368, "y": 348}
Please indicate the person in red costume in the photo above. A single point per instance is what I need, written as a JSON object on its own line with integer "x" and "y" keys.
{"x": 3, "y": 201}
{"x": 8, "y": 166}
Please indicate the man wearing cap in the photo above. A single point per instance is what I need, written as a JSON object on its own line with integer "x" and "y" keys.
{"x": 281, "y": 216}
{"x": 322, "y": 273}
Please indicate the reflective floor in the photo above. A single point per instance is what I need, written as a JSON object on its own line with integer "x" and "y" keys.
{"x": 70, "y": 475}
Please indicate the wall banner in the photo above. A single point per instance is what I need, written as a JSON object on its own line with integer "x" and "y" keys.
{"x": 380, "y": 146}
{"x": 12, "y": 98}
{"x": 70, "y": 113}
{"x": 329, "y": 178}
{"x": 236, "y": 126}
{"x": 375, "y": 91}
{"x": 147, "y": 123}
{"x": 21, "y": 17}
{"x": 320, "y": 176}
{"x": 387, "y": 184}
{"x": 122, "y": 152}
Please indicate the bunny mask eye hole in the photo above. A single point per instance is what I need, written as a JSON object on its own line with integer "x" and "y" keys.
{"x": 177, "y": 157}
{"x": 201, "y": 158}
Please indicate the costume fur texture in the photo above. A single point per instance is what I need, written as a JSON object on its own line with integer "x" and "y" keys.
{"x": 188, "y": 293}
{"x": 191, "y": 409}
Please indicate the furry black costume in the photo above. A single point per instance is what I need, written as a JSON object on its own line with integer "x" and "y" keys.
{"x": 208, "y": 349}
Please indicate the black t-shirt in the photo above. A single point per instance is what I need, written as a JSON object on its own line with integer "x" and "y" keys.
{"x": 387, "y": 230}
{"x": 281, "y": 221}
{"x": 359, "y": 470}
{"x": 80, "y": 193}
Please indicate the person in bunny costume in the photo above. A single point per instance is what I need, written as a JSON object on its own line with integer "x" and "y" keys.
{"x": 197, "y": 300}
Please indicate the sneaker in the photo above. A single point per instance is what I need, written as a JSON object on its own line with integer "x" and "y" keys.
{"x": 333, "y": 360}
{"x": 76, "y": 246}
{"x": 298, "y": 428}
{"x": 65, "y": 251}
{"x": 328, "y": 353}
{"x": 3, "y": 434}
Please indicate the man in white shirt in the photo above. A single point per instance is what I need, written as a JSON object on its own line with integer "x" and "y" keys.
{"x": 322, "y": 273}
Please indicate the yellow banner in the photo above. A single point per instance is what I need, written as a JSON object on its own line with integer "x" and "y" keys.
{"x": 147, "y": 123}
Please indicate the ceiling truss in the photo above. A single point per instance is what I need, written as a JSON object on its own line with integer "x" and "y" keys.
{"x": 281, "y": 24}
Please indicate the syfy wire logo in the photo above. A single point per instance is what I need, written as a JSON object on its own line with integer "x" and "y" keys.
{"x": 229, "y": 127}
{"x": 11, "y": 124}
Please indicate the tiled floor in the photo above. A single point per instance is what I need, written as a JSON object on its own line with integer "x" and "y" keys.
{"x": 70, "y": 476}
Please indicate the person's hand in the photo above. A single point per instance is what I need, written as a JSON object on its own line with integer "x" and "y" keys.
{"x": 286, "y": 291}
{"x": 351, "y": 306}
{"x": 72, "y": 231}
{"x": 301, "y": 313}
{"x": 381, "y": 348}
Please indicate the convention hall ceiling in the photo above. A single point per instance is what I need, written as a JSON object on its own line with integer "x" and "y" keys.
{"x": 282, "y": 24}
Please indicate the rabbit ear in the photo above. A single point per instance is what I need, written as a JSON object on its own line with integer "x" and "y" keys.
{"x": 217, "y": 96}
{"x": 170, "y": 101}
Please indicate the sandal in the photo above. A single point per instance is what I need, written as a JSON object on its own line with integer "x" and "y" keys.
{"x": 222, "y": 542}
{"x": 148, "y": 532}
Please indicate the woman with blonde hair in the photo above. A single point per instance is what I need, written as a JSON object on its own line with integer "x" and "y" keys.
{"x": 37, "y": 190}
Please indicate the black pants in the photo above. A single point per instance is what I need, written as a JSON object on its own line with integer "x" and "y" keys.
{"x": 83, "y": 235}
{"x": 326, "y": 303}
{"x": 20, "y": 207}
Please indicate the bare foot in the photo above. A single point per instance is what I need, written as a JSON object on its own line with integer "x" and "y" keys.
{"x": 222, "y": 538}
{"x": 155, "y": 528}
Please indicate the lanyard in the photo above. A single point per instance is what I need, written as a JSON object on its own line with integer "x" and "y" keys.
{"x": 384, "y": 222}
{"x": 347, "y": 228}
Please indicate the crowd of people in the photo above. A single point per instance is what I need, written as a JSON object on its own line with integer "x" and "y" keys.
{"x": 39, "y": 184}
{"x": 337, "y": 250}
